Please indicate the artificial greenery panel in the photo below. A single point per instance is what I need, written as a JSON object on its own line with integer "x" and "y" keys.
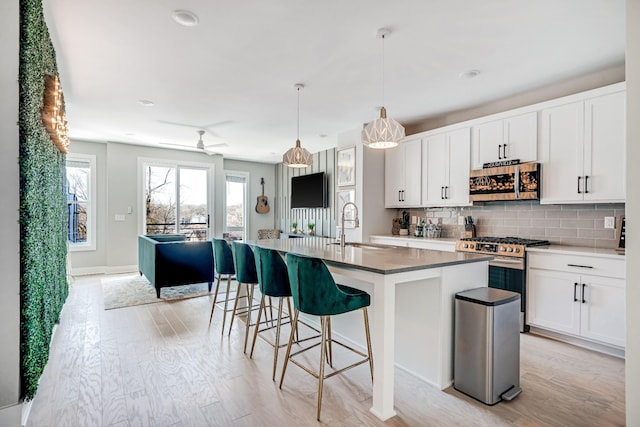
{"x": 43, "y": 219}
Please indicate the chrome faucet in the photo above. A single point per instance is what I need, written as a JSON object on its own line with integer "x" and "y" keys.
{"x": 356, "y": 223}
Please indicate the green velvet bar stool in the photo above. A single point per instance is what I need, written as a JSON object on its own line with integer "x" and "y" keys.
{"x": 273, "y": 281}
{"x": 223, "y": 262}
{"x": 245, "y": 266}
{"x": 315, "y": 292}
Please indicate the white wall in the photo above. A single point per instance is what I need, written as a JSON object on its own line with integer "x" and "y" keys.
{"x": 117, "y": 174}
{"x": 256, "y": 171}
{"x": 117, "y": 188}
{"x": 9, "y": 227}
{"x": 633, "y": 214}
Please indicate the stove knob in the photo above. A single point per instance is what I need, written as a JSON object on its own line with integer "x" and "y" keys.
{"x": 502, "y": 249}
{"x": 509, "y": 249}
{"x": 517, "y": 250}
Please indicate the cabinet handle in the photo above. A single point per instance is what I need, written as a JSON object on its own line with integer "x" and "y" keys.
{"x": 499, "y": 157}
{"x": 504, "y": 151}
{"x": 575, "y": 290}
{"x": 442, "y": 193}
{"x": 579, "y": 266}
{"x": 583, "y": 286}
{"x": 446, "y": 192}
{"x": 403, "y": 195}
{"x": 586, "y": 184}
{"x": 579, "y": 178}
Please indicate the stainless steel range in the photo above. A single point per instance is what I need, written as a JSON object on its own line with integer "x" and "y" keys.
{"x": 508, "y": 268}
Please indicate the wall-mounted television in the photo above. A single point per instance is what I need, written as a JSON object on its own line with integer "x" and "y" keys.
{"x": 309, "y": 191}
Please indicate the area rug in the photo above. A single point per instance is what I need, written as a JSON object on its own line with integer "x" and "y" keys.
{"x": 136, "y": 290}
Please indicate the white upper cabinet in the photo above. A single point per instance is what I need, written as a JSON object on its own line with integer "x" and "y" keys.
{"x": 583, "y": 151}
{"x": 445, "y": 175}
{"x": 505, "y": 139}
{"x": 403, "y": 175}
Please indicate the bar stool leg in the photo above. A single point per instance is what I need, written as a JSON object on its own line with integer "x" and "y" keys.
{"x": 250, "y": 289}
{"x": 215, "y": 298}
{"x": 294, "y": 324}
{"x": 226, "y": 301}
{"x": 255, "y": 331}
{"x": 235, "y": 307}
{"x": 368, "y": 334}
{"x": 277, "y": 346}
{"x": 290, "y": 311}
{"x": 323, "y": 349}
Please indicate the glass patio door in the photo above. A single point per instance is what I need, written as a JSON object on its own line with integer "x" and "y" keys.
{"x": 177, "y": 201}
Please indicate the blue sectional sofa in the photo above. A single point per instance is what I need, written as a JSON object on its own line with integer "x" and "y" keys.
{"x": 170, "y": 260}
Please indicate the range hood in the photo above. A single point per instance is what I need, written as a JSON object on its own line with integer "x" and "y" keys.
{"x": 513, "y": 182}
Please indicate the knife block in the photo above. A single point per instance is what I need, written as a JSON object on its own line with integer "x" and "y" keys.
{"x": 469, "y": 230}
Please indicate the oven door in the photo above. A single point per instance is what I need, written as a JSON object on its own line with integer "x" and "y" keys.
{"x": 509, "y": 274}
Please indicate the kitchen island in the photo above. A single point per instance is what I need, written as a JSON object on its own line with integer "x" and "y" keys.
{"x": 424, "y": 281}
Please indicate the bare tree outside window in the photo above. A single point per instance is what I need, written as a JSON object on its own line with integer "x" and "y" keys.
{"x": 78, "y": 173}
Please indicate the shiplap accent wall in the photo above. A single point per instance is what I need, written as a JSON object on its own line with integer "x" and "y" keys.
{"x": 323, "y": 218}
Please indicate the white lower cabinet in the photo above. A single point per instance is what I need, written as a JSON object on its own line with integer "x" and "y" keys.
{"x": 575, "y": 303}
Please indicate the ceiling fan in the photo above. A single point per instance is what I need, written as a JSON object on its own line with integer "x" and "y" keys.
{"x": 200, "y": 144}
{"x": 207, "y": 127}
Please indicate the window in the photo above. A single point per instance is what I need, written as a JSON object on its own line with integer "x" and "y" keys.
{"x": 81, "y": 205}
{"x": 176, "y": 199}
{"x": 235, "y": 219}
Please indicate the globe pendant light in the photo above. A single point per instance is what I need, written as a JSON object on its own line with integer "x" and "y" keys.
{"x": 383, "y": 132}
{"x": 297, "y": 157}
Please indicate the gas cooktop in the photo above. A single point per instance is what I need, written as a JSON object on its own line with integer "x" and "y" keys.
{"x": 503, "y": 246}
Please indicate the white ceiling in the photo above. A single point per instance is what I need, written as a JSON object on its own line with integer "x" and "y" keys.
{"x": 233, "y": 74}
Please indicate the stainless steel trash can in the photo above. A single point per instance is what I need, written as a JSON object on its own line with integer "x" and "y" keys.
{"x": 487, "y": 344}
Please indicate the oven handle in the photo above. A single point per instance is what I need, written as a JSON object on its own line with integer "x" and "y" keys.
{"x": 507, "y": 263}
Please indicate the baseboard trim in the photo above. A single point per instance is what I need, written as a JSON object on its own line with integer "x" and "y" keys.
{"x": 12, "y": 416}
{"x": 589, "y": 345}
{"x": 90, "y": 271}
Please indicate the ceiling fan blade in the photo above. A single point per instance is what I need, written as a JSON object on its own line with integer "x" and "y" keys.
{"x": 221, "y": 144}
{"x": 186, "y": 125}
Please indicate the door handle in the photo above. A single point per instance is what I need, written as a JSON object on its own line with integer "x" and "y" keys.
{"x": 586, "y": 184}
{"x": 575, "y": 290}
{"x": 499, "y": 157}
{"x": 583, "y": 286}
{"x": 579, "y": 178}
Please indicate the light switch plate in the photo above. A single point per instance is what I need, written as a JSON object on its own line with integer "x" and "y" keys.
{"x": 609, "y": 222}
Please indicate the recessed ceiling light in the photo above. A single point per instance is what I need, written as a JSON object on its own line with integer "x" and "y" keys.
{"x": 323, "y": 135}
{"x": 469, "y": 74}
{"x": 146, "y": 103}
{"x": 185, "y": 18}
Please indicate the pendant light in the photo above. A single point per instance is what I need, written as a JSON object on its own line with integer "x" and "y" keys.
{"x": 383, "y": 132}
{"x": 297, "y": 157}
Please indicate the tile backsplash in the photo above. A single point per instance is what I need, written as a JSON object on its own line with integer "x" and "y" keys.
{"x": 575, "y": 225}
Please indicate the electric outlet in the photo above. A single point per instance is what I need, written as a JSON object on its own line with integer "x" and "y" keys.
{"x": 609, "y": 222}
{"x": 460, "y": 220}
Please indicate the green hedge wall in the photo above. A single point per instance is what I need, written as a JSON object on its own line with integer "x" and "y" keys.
{"x": 43, "y": 219}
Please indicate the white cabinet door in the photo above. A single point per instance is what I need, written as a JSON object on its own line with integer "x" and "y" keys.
{"x": 435, "y": 159}
{"x": 446, "y": 159}
{"x": 553, "y": 300}
{"x": 603, "y": 309}
{"x": 562, "y": 153}
{"x": 521, "y": 138}
{"x": 459, "y": 142}
{"x": 403, "y": 174}
{"x": 604, "y": 148}
{"x": 393, "y": 176}
{"x": 583, "y": 151}
{"x": 412, "y": 172}
{"x": 487, "y": 143}
{"x": 506, "y": 139}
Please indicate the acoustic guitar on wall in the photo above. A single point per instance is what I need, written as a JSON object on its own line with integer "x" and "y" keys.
{"x": 262, "y": 207}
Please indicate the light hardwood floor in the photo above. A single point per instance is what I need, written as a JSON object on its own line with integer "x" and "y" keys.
{"x": 160, "y": 365}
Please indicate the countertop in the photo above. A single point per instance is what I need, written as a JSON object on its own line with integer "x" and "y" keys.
{"x": 380, "y": 259}
{"x": 443, "y": 240}
{"x": 577, "y": 250}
